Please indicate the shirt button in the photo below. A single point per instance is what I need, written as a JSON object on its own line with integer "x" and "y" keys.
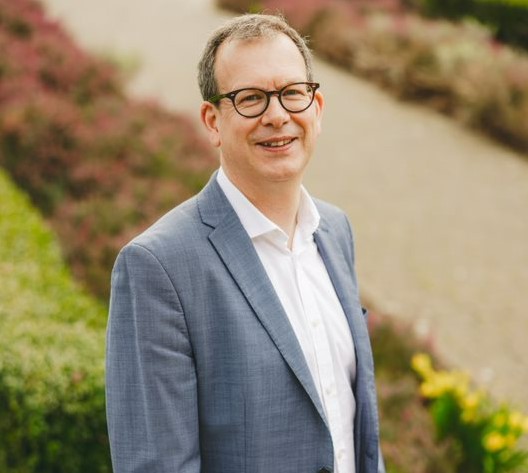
{"x": 315, "y": 323}
{"x": 329, "y": 390}
{"x": 340, "y": 454}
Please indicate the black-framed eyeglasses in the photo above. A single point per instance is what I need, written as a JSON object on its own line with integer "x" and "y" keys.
{"x": 253, "y": 102}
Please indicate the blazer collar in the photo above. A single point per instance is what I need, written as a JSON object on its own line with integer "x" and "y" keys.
{"x": 338, "y": 261}
{"x": 237, "y": 252}
{"x": 343, "y": 278}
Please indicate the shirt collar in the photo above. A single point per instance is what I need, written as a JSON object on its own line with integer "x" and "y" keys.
{"x": 257, "y": 224}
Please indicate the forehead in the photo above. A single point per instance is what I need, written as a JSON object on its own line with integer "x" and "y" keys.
{"x": 267, "y": 61}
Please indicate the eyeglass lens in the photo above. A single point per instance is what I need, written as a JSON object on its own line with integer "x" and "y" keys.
{"x": 294, "y": 98}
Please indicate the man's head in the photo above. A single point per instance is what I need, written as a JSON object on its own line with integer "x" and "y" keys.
{"x": 243, "y": 28}
{"x": 267, "y": 134}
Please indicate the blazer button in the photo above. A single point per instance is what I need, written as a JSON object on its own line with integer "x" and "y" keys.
{"x": 325, "y": 470}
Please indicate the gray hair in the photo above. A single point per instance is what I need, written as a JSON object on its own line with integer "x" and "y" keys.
{"x": 246, "y": 27}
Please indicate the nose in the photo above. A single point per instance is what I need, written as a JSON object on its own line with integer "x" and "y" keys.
{"x": 275, "y": 115}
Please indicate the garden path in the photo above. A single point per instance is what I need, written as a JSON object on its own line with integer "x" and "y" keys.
{"x": 440, "y": 213}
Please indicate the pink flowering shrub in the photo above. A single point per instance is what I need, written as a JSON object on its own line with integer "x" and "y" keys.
{"x": 99, "y": 165}
{"x": 457, "y": 69}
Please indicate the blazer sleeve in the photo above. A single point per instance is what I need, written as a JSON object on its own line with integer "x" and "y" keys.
{"x": 151, "y": 386}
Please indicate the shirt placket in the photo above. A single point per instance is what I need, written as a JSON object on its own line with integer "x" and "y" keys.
{"x": 325, "y": 379}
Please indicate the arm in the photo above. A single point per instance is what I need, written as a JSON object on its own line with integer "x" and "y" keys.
{"x": 150, "y": 374}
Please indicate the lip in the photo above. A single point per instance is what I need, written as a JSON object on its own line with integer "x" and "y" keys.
{"x": 276, "y": 143}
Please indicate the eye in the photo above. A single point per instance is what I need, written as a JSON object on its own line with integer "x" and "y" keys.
{"x": 296, "y": 91}
{"x": 249, "y": 97}
{"x": 252, "y": 98}
{"x": 291, "y": 92}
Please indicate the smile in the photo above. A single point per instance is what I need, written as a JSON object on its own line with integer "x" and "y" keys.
{"x": 277, "y": 144}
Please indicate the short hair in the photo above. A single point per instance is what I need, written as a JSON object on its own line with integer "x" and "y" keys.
{"x": 246, "y": 27}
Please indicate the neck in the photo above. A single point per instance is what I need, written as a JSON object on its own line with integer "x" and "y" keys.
{"x": 280, "y": 206}
{"x": 277, "y": 200}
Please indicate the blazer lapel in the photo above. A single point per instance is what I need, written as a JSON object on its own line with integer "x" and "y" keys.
{"x": 238, "y": 254}
{"x": 343, "y": 278}
{"x": 344, "y": 284}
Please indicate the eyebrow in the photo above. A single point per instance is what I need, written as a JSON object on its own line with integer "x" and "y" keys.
{"x": 282, "y": 84}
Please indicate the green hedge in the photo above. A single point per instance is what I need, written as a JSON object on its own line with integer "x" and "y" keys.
{"x": 52, "y": 416}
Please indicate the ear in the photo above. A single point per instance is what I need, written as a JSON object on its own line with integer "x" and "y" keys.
{"x": 319, "y": 106}
{"x": 210, "y": 116}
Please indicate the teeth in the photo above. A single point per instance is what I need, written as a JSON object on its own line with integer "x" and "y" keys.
{"x": 275, "y": 144}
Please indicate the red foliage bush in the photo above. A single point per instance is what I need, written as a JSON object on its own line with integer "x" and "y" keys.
{"x": 99, "y": 165}
{"x": 300, "y": 12}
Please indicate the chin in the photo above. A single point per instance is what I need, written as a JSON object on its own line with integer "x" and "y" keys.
{"x": 285, "y": 172}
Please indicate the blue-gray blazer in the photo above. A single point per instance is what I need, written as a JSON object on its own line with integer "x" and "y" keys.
{"x": 204, "y": 372}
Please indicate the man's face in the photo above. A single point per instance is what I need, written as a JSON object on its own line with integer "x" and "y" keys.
{"x": 276, "y": 146}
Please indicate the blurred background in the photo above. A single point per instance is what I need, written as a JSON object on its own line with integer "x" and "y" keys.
{"x": 424, "y": 145}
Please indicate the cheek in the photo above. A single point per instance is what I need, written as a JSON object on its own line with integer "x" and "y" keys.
{"x": 313, "y": 130}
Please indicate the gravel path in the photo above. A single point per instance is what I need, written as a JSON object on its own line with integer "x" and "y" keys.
{"x": 440, "y": 213}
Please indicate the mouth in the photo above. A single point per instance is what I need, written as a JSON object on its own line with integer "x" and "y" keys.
{"x": 277, "y": 143}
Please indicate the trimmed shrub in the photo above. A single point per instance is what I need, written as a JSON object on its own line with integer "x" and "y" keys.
{"x": 100, "y": 166}
{"x": 52, "y": 404}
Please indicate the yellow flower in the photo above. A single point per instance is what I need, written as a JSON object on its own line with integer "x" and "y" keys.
{"x": 525, "y": 425}
{"x": 461, "y": 386}
{"x": 472, "y": 400}
{"x": 429, "y": 390}
{"x": 447, "y": 382}
{"x": 421, "y": 363}
{"x": 516, "y": 420}
{"x": 494, "y": 442}
{"x": 470, "y": 405}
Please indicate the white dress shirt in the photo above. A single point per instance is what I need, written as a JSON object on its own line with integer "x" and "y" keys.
{"x": 308, "y": 297}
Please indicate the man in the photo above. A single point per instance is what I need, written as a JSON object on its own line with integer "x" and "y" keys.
{"x": 236, "y": 339}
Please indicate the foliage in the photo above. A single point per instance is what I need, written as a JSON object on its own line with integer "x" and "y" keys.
{"x": 83, "y": 151}
{"x": 407, "y": 432}
{"x": 459, "y": 69}
{"x": 487, "y": 436}
{"x": 453, "y": 68}
{"x": 51, "y": 352}
{"x": 301, "y": 12}
{"x": 507, "y": 18}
